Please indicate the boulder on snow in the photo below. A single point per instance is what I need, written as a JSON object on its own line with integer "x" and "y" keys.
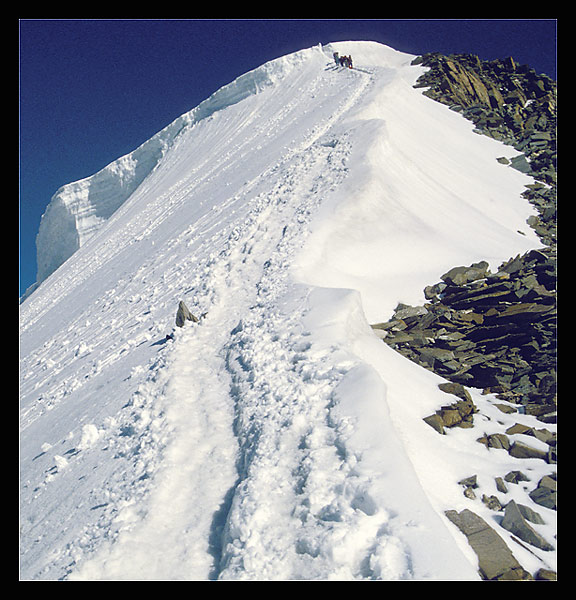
{"x": 545, "y": 494}
{"x": 515, "y": 522}
{"x": 183, "y": 314}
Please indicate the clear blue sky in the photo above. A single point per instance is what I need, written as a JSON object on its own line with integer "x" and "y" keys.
{"x": 94, "y": 90}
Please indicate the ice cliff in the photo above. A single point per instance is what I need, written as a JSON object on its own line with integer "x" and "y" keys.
{"x": 78, "y": 210}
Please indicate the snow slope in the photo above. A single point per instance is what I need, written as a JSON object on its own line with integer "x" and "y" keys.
{"x": 277, "y": 439}
{"x": 79, "y": 209}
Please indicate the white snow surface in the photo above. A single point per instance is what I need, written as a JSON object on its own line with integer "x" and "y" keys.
{"x": 279, "y": 438}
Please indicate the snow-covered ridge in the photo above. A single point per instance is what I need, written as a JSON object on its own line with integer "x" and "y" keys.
{"x": 79, "y": 209}
{"x": 278, "y": 438}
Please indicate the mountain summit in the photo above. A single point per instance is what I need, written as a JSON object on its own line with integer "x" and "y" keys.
{"x": 273, "y": 436}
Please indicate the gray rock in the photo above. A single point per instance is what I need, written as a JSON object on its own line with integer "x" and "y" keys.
{"x": 471, "y": 481}
{"x": 520, "y": 450}
{"x": 495, "y": 440}
{"x": 404, "y": 311}
{"x": 546, "y": 575}
{"x": 515, "y": 523}
{"x": 432, "y": 291}
{"x": 495, "y": 559}
{"x": 491, "y": 502}
{"x": 183, "y": 315}
{"x": 531, "y": 515}
{"x": 450, "y": 416}
{"x": 497, "y": 331}
{"x": 463, "y": 275}
{"x": 520, "y": 164}
{"x": 549, "y": 481}
{"x": 435, "y": 421}
{"x": 515, "y": 477}
{"x": 544, "y": 496}
{"x": 456, "y": 389}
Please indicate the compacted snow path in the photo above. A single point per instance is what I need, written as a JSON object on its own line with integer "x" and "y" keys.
{"x": 238, "y": 400}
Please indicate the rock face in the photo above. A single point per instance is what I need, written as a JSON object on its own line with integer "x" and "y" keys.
{"x": 510, "y": 103}
{"x": 496, "y": 331}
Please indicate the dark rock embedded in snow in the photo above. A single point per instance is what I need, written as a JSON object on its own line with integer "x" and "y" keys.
{"x": 496, "y": 333}
{"x": 183, "y": 315}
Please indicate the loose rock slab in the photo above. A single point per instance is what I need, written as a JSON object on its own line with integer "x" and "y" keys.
{"x": 495, "y": 559}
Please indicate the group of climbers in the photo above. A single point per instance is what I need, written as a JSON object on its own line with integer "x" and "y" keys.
{"x": 342, "y": 61}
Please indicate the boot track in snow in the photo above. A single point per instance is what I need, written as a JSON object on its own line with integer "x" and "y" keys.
{"x": 233, "y": 442}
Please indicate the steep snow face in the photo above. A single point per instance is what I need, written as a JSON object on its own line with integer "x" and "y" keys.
{"x": 78, "y": 210}
{"x": 278, "y": 438}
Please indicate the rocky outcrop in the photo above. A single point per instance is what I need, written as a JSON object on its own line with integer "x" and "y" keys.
{"x": 501, "y": 96}
{"x": 510, "y": 103}
{"x": 497, "y": 331}
{"x": 459, "y": 413}
{"x": 493, "y": 331}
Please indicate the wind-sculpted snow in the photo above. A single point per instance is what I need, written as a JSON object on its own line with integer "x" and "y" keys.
{"x": 78, "y": 210}
{"x": 278, "y": 438}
